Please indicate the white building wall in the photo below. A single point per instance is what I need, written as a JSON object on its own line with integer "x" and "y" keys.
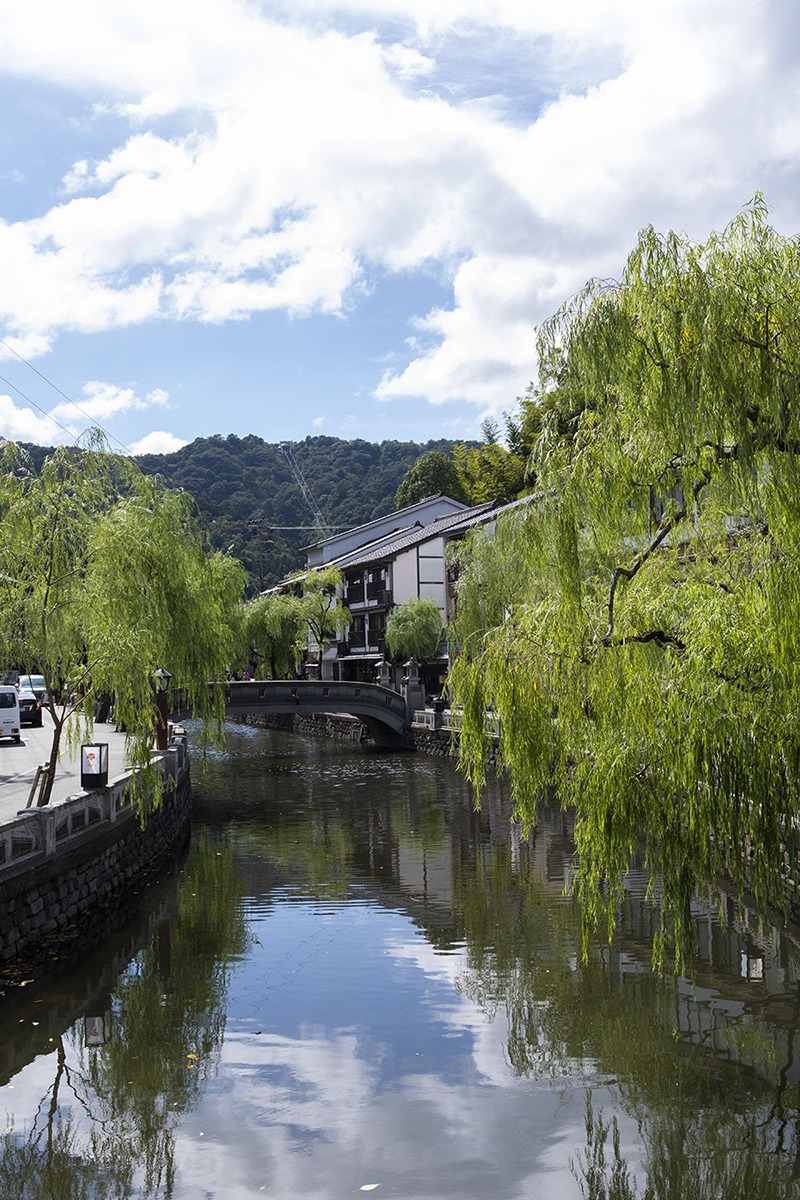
{"x": 431, "y": 572}
{"x": 404, "y": 577}
{"x": 420, "y": 572}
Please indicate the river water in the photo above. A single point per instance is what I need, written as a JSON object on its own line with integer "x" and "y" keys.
{"x": 354, "y": 984}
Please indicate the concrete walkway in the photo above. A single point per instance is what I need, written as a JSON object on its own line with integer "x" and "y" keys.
{"x": 18, "y": 765}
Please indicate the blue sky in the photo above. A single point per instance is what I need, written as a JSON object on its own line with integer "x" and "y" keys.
{"x": 348, "y": 218}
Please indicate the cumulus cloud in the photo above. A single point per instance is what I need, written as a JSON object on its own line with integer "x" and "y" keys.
{"x": 65, "y": 422}
{"x": 157, "y": 442}
{"x": 272, "y": 156}
{"x": 100, "y": 401}
{"x": 21, "y": 424}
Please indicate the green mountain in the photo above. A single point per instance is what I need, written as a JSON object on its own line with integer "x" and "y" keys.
{"x": 250, "y": 499}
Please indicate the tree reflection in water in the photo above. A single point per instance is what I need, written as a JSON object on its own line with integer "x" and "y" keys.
{"x": 711, "y": 1127}
{"x": 112, "y": 1117}
{"x": 697, "y": 1082}
{"x": 717, "y": 1156}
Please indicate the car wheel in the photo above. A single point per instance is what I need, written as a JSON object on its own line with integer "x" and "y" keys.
{"x": 17, "y": 738}
{"x": 38, "y": 723}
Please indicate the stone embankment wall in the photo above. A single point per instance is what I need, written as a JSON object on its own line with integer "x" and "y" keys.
{"x": 64, "y": 866}
{"x": 439, "y": 743}
{"x": 339, "y": 728}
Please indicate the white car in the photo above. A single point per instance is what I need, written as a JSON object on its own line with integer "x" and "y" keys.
{"x": 35, "y": 684}
{"x": 9, "y": 712}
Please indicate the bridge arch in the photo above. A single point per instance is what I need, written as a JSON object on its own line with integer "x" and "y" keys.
{"x": 382, "y": 710}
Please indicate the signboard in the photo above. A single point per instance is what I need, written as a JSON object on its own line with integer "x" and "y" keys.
{"x": 94, "y": 765}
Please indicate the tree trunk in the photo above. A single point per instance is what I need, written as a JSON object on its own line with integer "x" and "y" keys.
{"x": 52, "y": 764}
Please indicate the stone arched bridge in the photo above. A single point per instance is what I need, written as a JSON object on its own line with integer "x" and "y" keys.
{"x": 382, "y": 710}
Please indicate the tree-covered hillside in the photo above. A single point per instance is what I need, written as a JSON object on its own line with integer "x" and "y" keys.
{"x": 247, "y": 494}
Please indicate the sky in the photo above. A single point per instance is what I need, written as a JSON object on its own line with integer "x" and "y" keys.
{"x": 311, "y": 217}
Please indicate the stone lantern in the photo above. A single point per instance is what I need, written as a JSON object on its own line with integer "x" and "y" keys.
{"x": 412, "y": 690}
{"x": 383, "y": 674}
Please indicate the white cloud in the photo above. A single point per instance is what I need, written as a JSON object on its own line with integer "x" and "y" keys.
{"x": 66, "y": 421}
{"x": 100, "y": 401}
{"x": 273, "y": 161}
{"x": 157, "y": 442}
{"x": 25, "y": 425}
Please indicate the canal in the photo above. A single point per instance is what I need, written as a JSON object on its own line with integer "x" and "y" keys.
{"x": 352, "y": 983}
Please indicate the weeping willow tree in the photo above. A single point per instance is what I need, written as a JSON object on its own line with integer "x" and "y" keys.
{"x": 105, "y": 576}
{"x": 414, "y": 629}
{"x": 276, "y": 632}
{"x": 638, "y": 628}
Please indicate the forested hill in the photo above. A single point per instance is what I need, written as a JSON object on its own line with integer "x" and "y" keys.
{"x": 246, "y": 491}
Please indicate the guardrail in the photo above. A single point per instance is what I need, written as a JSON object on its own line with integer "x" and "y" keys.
{"x": 363, "y": 700}
{"x": 38, "y": 834}
{"x": 450, "y": 721}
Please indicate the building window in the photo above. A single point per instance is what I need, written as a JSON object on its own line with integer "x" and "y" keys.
{"x": 354, "y": 593}
{"x": 357, "y": 633}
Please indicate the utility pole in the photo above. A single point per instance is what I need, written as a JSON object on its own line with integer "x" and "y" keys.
{"x": 259, "y": 527}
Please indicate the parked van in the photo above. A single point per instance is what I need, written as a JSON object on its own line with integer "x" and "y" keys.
{"x": 9, "y": 712}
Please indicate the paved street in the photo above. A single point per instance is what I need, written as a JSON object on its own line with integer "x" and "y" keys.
{"x": 18, "y": 764}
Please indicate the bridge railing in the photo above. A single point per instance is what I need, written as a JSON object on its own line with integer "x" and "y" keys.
{"x": 244, "y": 694}
{"x": 449, "y": 720}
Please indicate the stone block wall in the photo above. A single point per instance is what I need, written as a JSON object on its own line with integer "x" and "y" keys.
{"x": 439, "y": 743}
{"x": 49, "y": 906}
{"x": 333, "y": 725}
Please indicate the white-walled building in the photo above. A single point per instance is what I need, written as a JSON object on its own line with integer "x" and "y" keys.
{"x": 421, "y": 513}
{"x": 388, "y": 562}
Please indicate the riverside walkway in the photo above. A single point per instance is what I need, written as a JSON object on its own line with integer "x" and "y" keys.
{"x": 18, "y": 765}
{"x": 382, "y": 710}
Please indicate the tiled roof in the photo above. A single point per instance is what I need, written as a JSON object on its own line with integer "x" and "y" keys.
{"x": 491, "y": 512}
{"x": 401, "y": 513}
{"x": 378, "y": 550}
{"x": 387, "y": 547}
{"x": 393, "y": 544}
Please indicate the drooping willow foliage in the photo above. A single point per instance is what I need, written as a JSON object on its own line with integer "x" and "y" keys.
{"x": 413, "y": 629}
{"x": 106, "y": 576}
{"x": 637, "y": 627}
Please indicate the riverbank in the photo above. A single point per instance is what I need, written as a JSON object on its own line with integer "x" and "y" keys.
{"x": 431, "y": 733}
{"x": 66, "y": 867}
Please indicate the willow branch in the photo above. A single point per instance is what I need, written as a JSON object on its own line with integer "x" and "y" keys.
{"x": 651, "y": 635}
{"x": 666, "y": 527}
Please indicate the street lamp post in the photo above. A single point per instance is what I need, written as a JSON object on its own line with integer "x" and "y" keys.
{"x": 162, "y": 721}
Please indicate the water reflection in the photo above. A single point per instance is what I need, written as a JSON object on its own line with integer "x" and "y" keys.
{"x": 101, "y": 1118}
{"x": 358, "y": 980}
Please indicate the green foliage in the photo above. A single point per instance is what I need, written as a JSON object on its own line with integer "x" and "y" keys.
{"x": 322, "y": 608}
{"x": 245, "y": 491}
{"x": 105, "y": 576}
{"x": 637, "y": 628}
{"x": 433, "y": 473}
{"x": 413, "y": 629}
{"x": 489, "y": 471}
{"x": 275, "y": 629}
{"x": 473, "y": 474}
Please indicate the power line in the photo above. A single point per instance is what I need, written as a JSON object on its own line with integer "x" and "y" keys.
{"x": 321, "y": 525}
{"x": 38, "y": 408}
{"x": 61, "y": 393}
